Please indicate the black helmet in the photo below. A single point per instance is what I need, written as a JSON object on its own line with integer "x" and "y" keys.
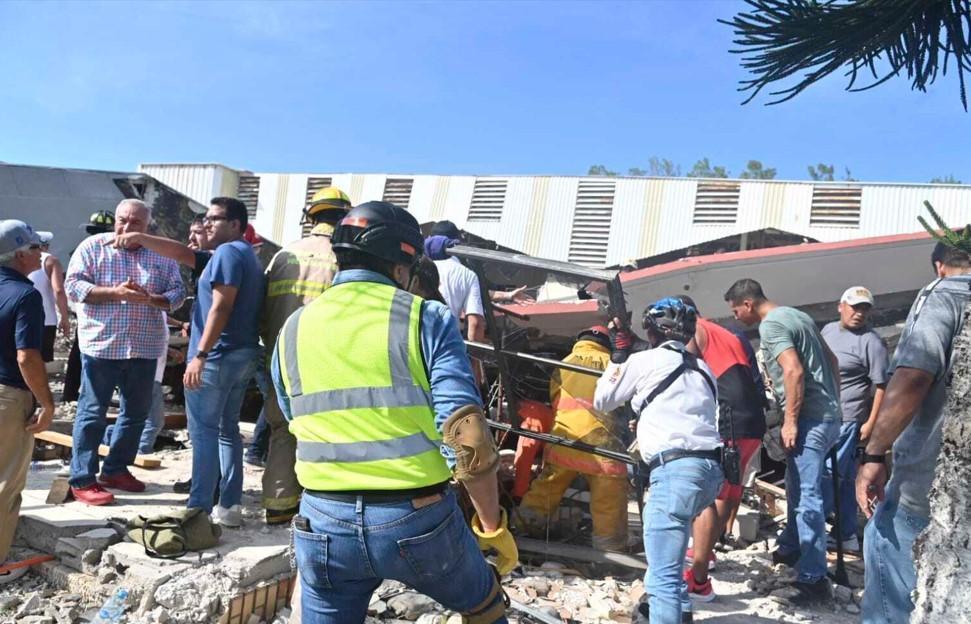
{"x": 380, "y": 229}
{"x": 671, "y": 318}
{"x": 99, "y": 222}
{"x": 597, "y": 333}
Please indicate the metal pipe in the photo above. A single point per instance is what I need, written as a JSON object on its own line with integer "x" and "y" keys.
{"x": 552, "y": 439}
{"x": 519, "y": 355}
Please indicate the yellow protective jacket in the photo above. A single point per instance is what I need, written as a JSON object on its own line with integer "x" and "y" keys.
{"x": 571, "y": 396}
{"x": 296, "y": 275}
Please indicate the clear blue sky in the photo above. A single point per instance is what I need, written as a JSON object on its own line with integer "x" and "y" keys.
{"x": 460, "y": 87}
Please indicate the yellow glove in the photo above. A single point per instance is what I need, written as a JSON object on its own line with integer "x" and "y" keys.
{"x": 501, "y": 541}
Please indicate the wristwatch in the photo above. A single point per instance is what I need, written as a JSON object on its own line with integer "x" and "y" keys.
{"x": 866, "y": 458}
{"x": 202, "y": 354}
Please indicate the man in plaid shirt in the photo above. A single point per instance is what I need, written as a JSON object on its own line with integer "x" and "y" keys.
{"x": 121, "y": 295}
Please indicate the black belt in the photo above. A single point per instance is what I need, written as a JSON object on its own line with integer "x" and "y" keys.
{"x": 381, "y": 496}
{"x": 673, "y": 454}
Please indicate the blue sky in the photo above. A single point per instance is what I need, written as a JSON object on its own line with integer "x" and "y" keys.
{"x": 459, "y": 87}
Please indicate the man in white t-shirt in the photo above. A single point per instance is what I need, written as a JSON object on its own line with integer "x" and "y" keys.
{"x": 459, "y": 286}
{"x": 49, "y": 282}
{"x": 676, "y": 395}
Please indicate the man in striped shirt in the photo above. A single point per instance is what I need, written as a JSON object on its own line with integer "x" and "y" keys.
{"x": 121, "y": 294}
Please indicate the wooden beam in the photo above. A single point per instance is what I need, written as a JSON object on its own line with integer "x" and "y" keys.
{"x": 142, "y": 461}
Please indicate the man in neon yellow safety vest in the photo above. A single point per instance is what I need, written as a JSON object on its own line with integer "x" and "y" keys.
{"x": 379, "y": 393}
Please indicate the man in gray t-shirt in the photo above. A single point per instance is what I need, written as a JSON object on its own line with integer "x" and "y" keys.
{"x": 863, "y": 363}
{"x": 910, "y": 420}
{"x": 805, "y": 381}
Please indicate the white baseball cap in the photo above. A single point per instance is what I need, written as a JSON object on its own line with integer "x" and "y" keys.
{"x": 855, "y": 295}
{"x": 15, "y": 235}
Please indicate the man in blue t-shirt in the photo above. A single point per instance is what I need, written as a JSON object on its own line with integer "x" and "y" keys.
{"x": 223, "y": 353}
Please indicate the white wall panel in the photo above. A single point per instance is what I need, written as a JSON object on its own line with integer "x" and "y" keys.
{"x": 627, "y": 219}
{"x": 554, "y": 239}
{"x": 677, "y": 209}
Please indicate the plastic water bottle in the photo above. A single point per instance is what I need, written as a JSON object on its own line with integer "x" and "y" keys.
{"x": 113, "y": 609}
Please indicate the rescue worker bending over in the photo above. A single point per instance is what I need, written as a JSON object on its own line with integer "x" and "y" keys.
{"x": 378, "y": 390}
{"x": 571, "y": 395}
{"x": 297, "y": 275}
{"x": 675, "y": 396}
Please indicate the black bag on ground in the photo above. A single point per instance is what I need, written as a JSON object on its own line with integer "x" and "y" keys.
{"x": 173, "y": 534}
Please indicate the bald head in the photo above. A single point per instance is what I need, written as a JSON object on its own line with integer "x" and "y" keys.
{"x": 132, "y": 215}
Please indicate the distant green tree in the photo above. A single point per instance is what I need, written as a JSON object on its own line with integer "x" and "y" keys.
{"x": 821, "y": 172}
{"x": 704, "y": 169}
{"x": 600, "y": 170}
{"x": 637, "y": 172}
{"x": 848, "y": 176}
{"x": 754, "y": 170}
{"x": 948, "y": 179}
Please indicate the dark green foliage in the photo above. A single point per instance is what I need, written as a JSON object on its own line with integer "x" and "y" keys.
{"x": 946, "y": 235}
{"x": 805, "y": 41}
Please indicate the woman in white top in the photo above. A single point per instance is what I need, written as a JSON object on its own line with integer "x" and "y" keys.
{"x": 676, "y": 398}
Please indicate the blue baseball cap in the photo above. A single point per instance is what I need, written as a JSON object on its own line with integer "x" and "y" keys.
{"x": 15, "y": 235}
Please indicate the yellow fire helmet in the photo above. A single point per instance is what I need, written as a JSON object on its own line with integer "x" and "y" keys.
{"x": 329, "y": 198}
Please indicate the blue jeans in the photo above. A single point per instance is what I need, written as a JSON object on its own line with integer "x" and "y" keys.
{"x": 261, "y": 434}
{"x": 99, "y": 378}
{"x": 213, "y": 412}
{"x": 352, "y": 547}
{"x": 846, "y": 465}
{"x": 805, "y": 530}
{"x": 680, "y": 490}
{"x": 888, "y": 543}
{"x": 153, "y": 424}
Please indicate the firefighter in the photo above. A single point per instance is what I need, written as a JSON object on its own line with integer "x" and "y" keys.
{"x": 676, "y": 398}
{"x": 379, "y": 393}
{"x": 571, "y": 395}
{"x": 296, "y": 275}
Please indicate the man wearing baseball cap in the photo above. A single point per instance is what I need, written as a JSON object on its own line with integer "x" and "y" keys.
{"x": 23, "y": 379}
{"x": 863, "y": 364}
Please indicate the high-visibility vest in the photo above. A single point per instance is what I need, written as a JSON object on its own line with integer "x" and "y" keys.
{"x": 360, "y": 398}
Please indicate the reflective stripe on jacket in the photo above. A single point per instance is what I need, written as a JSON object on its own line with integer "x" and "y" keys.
{"x": 359, "y": 394}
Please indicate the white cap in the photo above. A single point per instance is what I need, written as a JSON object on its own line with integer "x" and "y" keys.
{"x": 45, "y": 237}
{"x": 855, "y": 295}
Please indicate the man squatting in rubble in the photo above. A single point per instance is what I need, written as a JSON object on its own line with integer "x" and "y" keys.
{"x": 675, "y": 395}
{"x": 909, "y": 421}
{"x": 571, "y": 395}
{"x": 385, "y": 412}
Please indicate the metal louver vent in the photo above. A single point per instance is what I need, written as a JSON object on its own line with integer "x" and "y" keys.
{"x": 716, "y": 203}
{"x": 591, "y": 222}
{"x": 398, "y": 191}
{"x": 248, "y": 192}
{"x": 488, "y": 197}
{"x": 836, "y": 206}
{"x": 313, "y": 185}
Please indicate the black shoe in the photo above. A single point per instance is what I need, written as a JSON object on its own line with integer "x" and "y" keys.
{"x": 182, "y": 487}
{"x": 790, "y": 559}
{"x": 812, "y": 594}
{"x": 642, "y": 613}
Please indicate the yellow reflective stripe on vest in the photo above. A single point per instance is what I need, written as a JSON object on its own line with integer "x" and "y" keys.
{"x": 294, "y": 287}
{"x": 353, "y": 398}
{"x": 394, "y": 448}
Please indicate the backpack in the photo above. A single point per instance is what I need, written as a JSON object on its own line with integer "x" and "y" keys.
{"x": 171, "y": 535}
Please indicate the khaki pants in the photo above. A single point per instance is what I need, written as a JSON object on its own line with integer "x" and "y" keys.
{"x": 16, "y": 449}
{"x": 281, "y": 490}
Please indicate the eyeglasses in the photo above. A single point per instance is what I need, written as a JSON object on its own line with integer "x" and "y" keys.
{"x": 34, "y": 247}
{"x": 207, "y": 219}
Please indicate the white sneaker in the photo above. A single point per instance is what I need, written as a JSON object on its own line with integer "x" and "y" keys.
{"x": 11, "y": 575}
{"x": 231, "y": 517}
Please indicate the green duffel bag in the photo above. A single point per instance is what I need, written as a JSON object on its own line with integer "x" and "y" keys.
{"x": 175, "y": 533}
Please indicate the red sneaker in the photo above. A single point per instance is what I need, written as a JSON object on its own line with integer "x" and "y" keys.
{"x": 94, "y": 494}
{"x": 122, "y": 481}
{"x": 689, "y": 558}
{"x": 699, "y": 592}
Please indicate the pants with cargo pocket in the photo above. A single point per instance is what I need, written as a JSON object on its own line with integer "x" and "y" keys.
{"x": 16, "y": 449}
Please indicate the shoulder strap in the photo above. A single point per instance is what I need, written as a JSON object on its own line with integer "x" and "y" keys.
{"x": 689, "y": 362}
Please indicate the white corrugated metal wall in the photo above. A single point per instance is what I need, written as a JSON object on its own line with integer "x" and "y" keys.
{"x": 649, "y": 215}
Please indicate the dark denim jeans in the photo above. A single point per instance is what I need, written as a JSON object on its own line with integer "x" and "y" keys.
{"x": 680, "y": 490}
{"x": 352, "y": 547}
{"x": 805, "y": 530}
{"x": 846, "y": 465}
{"x": 888, "y": 544}
{"x": 213, "y": 413}
{"x": 99, "y": 378}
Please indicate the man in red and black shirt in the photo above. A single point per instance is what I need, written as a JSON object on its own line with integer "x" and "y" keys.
{"x": 741, "y": 423}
